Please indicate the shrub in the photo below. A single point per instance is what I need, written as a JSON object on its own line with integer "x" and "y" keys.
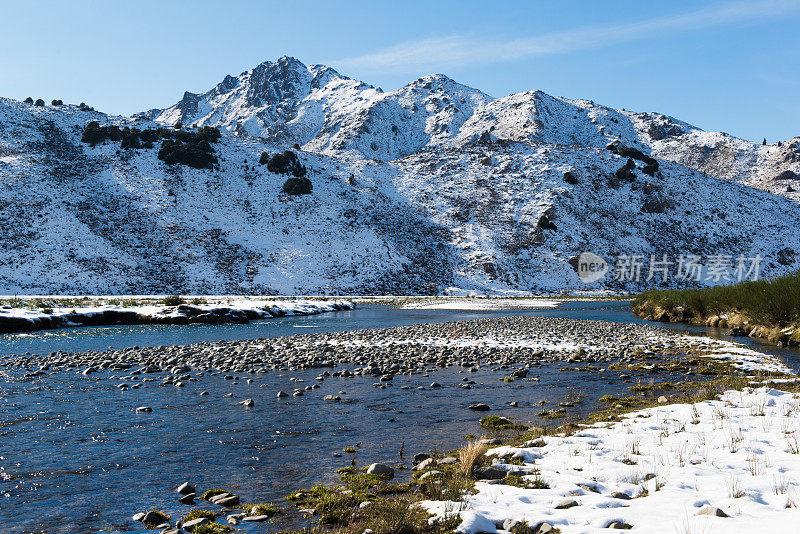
{"x": 57, "y": 102}
{"x": 131, "y": 140}
{"x": 570, "y": 178}
{"x": 208, "y": 133}
{"x": 178, "y": 125}
{"x": 636, "y": 154}
{"x": 198, "y": 155}
{"x": 28, "y": 100}
{"x": 286, "y": 163}
{"x": 297, "y": 186}
{"x": 173, "y": 300}
{"x": 625, "y": 174}
{"x": 95, "y": 134}
{"x": 39, "y": 102}
{"x": 264, "y": 159}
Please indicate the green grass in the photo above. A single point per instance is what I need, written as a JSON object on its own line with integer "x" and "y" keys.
{"x": 772, "y": 302}
{"x": 495, "y": 422}
{"x": 212, "y": 528}
{"x": 197, "y": 513}
{"x": 173, "y": 300}
{"x": 260, "y": 508}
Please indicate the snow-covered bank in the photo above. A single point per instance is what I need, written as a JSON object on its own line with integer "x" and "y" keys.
{"x": 661, "y": 470}
{"x": 239, "y": 311}
{"x": 477, "y": 304}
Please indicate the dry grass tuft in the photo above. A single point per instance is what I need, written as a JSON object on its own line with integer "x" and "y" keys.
{"x": 471, "y": 455}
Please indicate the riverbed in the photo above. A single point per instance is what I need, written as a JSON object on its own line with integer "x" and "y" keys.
{"x": 75, "y": 456}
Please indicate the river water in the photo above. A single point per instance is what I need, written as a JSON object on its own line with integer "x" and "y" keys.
{"x": 76, "y": 457}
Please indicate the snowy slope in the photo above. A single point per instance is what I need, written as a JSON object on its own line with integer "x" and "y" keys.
{"x": 287, "y": 102}
{"x": 76, "y": 218}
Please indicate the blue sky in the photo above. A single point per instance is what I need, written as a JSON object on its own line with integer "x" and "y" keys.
{"x": 722, "y": 65}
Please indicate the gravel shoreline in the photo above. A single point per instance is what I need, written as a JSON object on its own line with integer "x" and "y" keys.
{"x": 512, "y": 341}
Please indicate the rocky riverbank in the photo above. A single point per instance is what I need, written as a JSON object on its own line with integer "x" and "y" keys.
{"x": 14, "y": 320}
{"x": 737, "y": 324}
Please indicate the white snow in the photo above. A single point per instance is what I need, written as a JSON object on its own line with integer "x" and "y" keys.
{"x": 265, "y": 308}
{"x": 478, "y": 304}
{"x": 738, "y": 453}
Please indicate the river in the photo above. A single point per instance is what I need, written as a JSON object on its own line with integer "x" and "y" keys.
{"x": 76, "y": 457}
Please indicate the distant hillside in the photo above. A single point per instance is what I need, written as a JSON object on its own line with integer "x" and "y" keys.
{"x": 432, "y": 188}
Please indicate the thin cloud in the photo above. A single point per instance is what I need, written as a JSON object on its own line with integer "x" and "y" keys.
{"x": 457, "y": 51}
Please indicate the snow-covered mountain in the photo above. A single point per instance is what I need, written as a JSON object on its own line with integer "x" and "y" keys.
{"x": 431, "y": 187}
{"x": 316, "y": 107}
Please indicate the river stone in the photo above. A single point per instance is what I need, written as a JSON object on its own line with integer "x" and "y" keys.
{"x": 381, "y": 470}
{"x": 249, "y": 403}
{"x": 421, "y": 457}
{"x": 186, "y": 488}
{"x": 620, "y": 525}
{"x": 491, "y": 472}
{"x": 187, "y": 499}
{"x": 282, "y": 394}
{"x": 711, "y": 510}
{"x": 424, "y": 464}
{"x": 479, "y": 407}
{"x": 190, "y": 525}
{"x": 144, "y": 409}
{"x": 567, "y": 503}
{"x": 256, "y": 518}
{"x": 332, "y": 398}
{"x": 544, "y": 528}
{"x": 621, "y": 495}
{"x": 153, "y": 517}
{"x": 228, "y": 502}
